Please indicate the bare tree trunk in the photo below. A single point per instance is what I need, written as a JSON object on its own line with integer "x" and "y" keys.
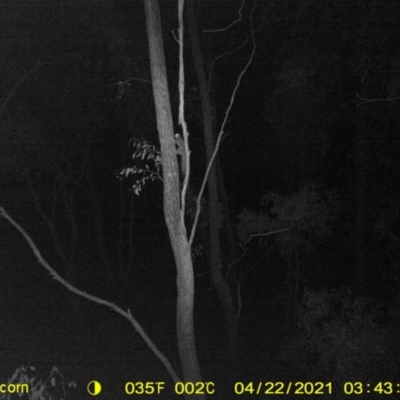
{"x": 217, "y": 276}
{"x": 173, "y": 214}
{"x": 228, "y": 228}
{"x": 99, "y": 226}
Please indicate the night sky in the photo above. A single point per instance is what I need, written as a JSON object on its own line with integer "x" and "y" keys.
{"x": 310, "y": 162}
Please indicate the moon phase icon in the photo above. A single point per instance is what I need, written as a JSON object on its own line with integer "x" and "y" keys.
{"x": 94, "y": 388}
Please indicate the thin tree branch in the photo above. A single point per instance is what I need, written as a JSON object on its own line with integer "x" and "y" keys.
{"x": 127, "y": 314}
{"x": 239, "y": 19}
{"x": 219, "y": 139}
{"x": 363, "y": 100}
{"x": 27, "y": 74}
{"x": 182, "y": 121}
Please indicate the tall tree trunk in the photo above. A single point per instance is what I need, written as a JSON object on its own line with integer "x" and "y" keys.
{"x": 98, "y": 220}
{"x": 228, "y": 228}
{"x": 172, "y": 211}
{"x": 217, "y": 276}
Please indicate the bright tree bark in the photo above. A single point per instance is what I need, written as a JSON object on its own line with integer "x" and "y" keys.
{"x": 172, "y": 202}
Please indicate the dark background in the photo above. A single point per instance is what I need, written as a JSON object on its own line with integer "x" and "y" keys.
{"x": 317, "y": 108}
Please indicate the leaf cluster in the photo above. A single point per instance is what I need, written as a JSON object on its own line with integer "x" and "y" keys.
{"x": 340, "y": 336}
{"x": 295, "y": 218}
{"x": 51, "y": 388}
{"x": 148, "y": 164}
